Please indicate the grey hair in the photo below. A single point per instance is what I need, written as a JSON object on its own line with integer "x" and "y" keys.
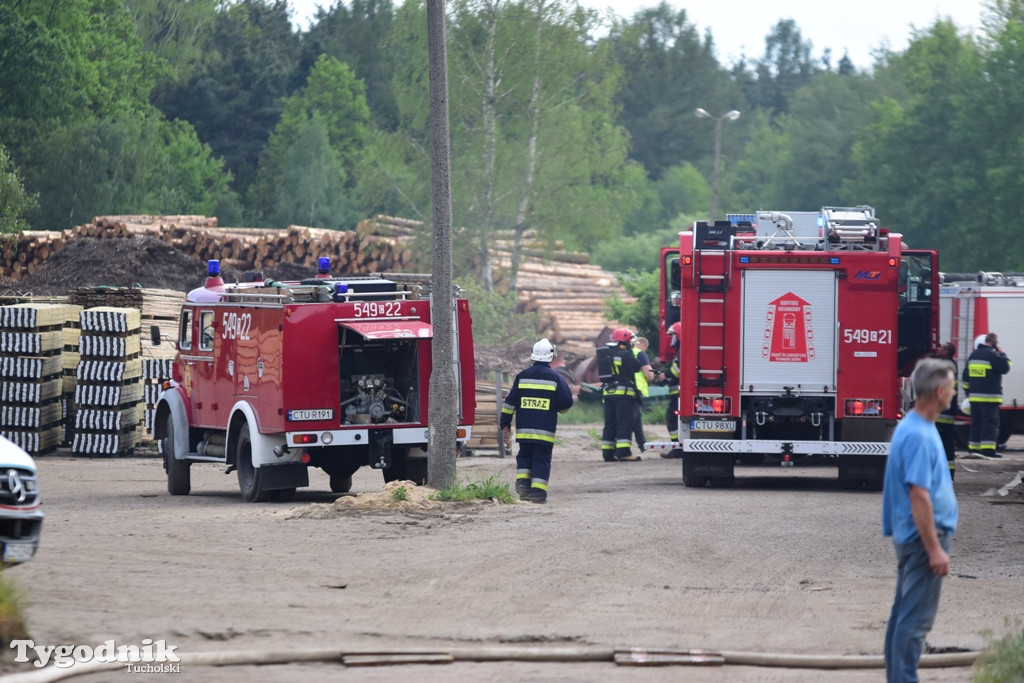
{"x": 929, "y": 375}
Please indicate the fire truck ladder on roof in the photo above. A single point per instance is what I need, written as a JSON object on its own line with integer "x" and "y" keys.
{"x": 711, "y": 276}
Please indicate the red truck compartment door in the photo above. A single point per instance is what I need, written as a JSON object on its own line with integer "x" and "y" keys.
{"x": 389, "y": 329}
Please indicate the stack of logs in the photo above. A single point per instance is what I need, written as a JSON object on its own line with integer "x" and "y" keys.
{"x": 562, "y": 287}
{"x": 359, "y": 251}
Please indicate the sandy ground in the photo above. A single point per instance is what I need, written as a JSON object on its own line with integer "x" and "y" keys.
{"x": 623, "y": 555}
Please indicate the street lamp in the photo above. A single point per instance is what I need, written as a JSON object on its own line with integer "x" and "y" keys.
{"x": 731, "y": 116}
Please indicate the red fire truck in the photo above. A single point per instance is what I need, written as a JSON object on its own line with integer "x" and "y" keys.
{"x": 796, "y": 328}
{"x": 272, "y": 378}
{"x": 973, "y": 304}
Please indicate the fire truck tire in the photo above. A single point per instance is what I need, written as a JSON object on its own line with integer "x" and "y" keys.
{"x": 248, "y": 476}
{"x": 179, "y": 479}
{"x": 341, "y": 484}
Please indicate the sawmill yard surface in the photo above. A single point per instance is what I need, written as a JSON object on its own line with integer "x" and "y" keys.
{"x": 623, "y": 555}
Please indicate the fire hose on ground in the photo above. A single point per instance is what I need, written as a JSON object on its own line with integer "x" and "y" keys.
{"x": 620, "y": 656}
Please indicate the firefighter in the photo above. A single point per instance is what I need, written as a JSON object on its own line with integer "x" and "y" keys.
{"x": 983, "y": 383}
{"x": 538, "y": 394}
{"x": 946, "y": 421}
{"x": 620, "y": 396}
{"x": 670, "y": 376}
{"x": 643, "y": 377}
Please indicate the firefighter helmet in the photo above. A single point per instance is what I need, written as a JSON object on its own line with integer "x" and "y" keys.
{"x": 543, "y": 351}
{"x": 979, "y": 340}
{"x": 675, "y": 329}
{"x": 622, "y": 336}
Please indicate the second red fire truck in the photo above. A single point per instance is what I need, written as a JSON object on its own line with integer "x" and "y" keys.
{"x": 795, "y": 328}
{"x": 272, "y": 378}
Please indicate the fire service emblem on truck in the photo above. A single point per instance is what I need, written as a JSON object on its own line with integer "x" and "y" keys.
{"x": 788, "y": 333}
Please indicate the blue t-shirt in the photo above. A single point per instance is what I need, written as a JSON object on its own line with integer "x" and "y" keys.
{"x": 916, "y": 457}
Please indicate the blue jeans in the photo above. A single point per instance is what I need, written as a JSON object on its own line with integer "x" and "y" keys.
{"x": 913, "y": 609}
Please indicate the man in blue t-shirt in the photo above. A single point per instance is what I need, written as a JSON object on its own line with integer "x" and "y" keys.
{"x": 919, "y": 511}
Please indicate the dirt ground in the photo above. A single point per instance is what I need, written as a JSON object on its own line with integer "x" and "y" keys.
{"x": 623, "y": 555}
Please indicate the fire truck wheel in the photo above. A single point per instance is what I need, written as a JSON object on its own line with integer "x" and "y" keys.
{"x": 341, "y": 484}
{"x": 179, "y": 479}
{"x": 248, "y": 476}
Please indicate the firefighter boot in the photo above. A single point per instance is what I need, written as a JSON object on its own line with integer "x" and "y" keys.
{"x": 626, "y": 455}
{"x": 538, "y": 495}
{"x": 523, "y": 489}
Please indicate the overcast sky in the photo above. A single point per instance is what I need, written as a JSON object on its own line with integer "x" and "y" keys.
{"x": 739, "y": 27}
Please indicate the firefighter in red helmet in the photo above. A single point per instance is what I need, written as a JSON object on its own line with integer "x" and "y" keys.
{"x": 620, "y": 396}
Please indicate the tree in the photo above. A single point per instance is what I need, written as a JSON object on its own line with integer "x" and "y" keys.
{"x": 358, "y": 34}
{"x": 139, "y": 164}
{"x": 14, "y": 201}
{"x": 919, "y": 159}
{"x": 309, "y": 188}
{"x": 668, "y": 71}
{"x": 785, "y": 67}
{"x": 333, "y": 100}
{"x": 175, "y": 31}
{"x": 234, "y": 97}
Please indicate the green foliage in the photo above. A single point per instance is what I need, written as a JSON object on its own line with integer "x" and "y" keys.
{"x": 641, "y": 316}
{"x": 584, "y": 412}
{"x": 489, "y": 489}
{"x": 669, "y": 68}
{"x": 14, "y": 201}
{"x": 141, "y": 164}
{"x": 12, "y": 611}
{"x": 1003, "y": 660}
{"x": 399, "y": 494}
{"x": 305, "y": 169}
{"x": 635, "y": 253}
{"x": 234, "y": 96}
{"x": 495, "y": 320}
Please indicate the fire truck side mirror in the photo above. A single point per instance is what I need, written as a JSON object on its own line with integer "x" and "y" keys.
{"x": 154, "y": 334}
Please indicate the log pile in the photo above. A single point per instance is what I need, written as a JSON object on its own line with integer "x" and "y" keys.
{"x": 359, "y": 251}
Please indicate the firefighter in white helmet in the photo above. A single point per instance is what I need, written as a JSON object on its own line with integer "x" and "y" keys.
{"x": 538, "y": 394}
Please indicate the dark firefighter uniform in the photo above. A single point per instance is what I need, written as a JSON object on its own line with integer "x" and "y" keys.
{"x": 671, "y": 414}
{"x": 983, "y": 382}
{"x": 945, "y": 423}
{"x": 537, "y": 396}
{"x": 620, "y": 399}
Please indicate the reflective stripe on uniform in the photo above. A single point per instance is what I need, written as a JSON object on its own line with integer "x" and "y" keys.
{"x": 535, "y": 435}
{"x": 541, "y": 384}
{"x": 986, "y": 398}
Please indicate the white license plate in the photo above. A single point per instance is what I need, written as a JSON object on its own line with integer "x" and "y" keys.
{"x": 18, "y": 552}
{"x": 307, "y": 415}
{"x": 712, "y": 425}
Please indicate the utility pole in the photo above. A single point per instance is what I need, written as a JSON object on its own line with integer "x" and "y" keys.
{"x": 731, "y": 116}
{"x": 443, "y": 411}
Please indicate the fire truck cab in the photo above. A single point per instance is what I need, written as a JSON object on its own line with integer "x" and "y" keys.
{"x": 796, "y": 328}
{"x": 272, "y": 378}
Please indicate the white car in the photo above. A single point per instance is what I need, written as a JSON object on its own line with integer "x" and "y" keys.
{"x": 21, "y": 519}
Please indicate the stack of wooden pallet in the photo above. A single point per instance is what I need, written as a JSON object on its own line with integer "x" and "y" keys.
{"x": 108, "y": 391}
{"x": 31, "y": 364}
{"x": 490, "y": 395}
